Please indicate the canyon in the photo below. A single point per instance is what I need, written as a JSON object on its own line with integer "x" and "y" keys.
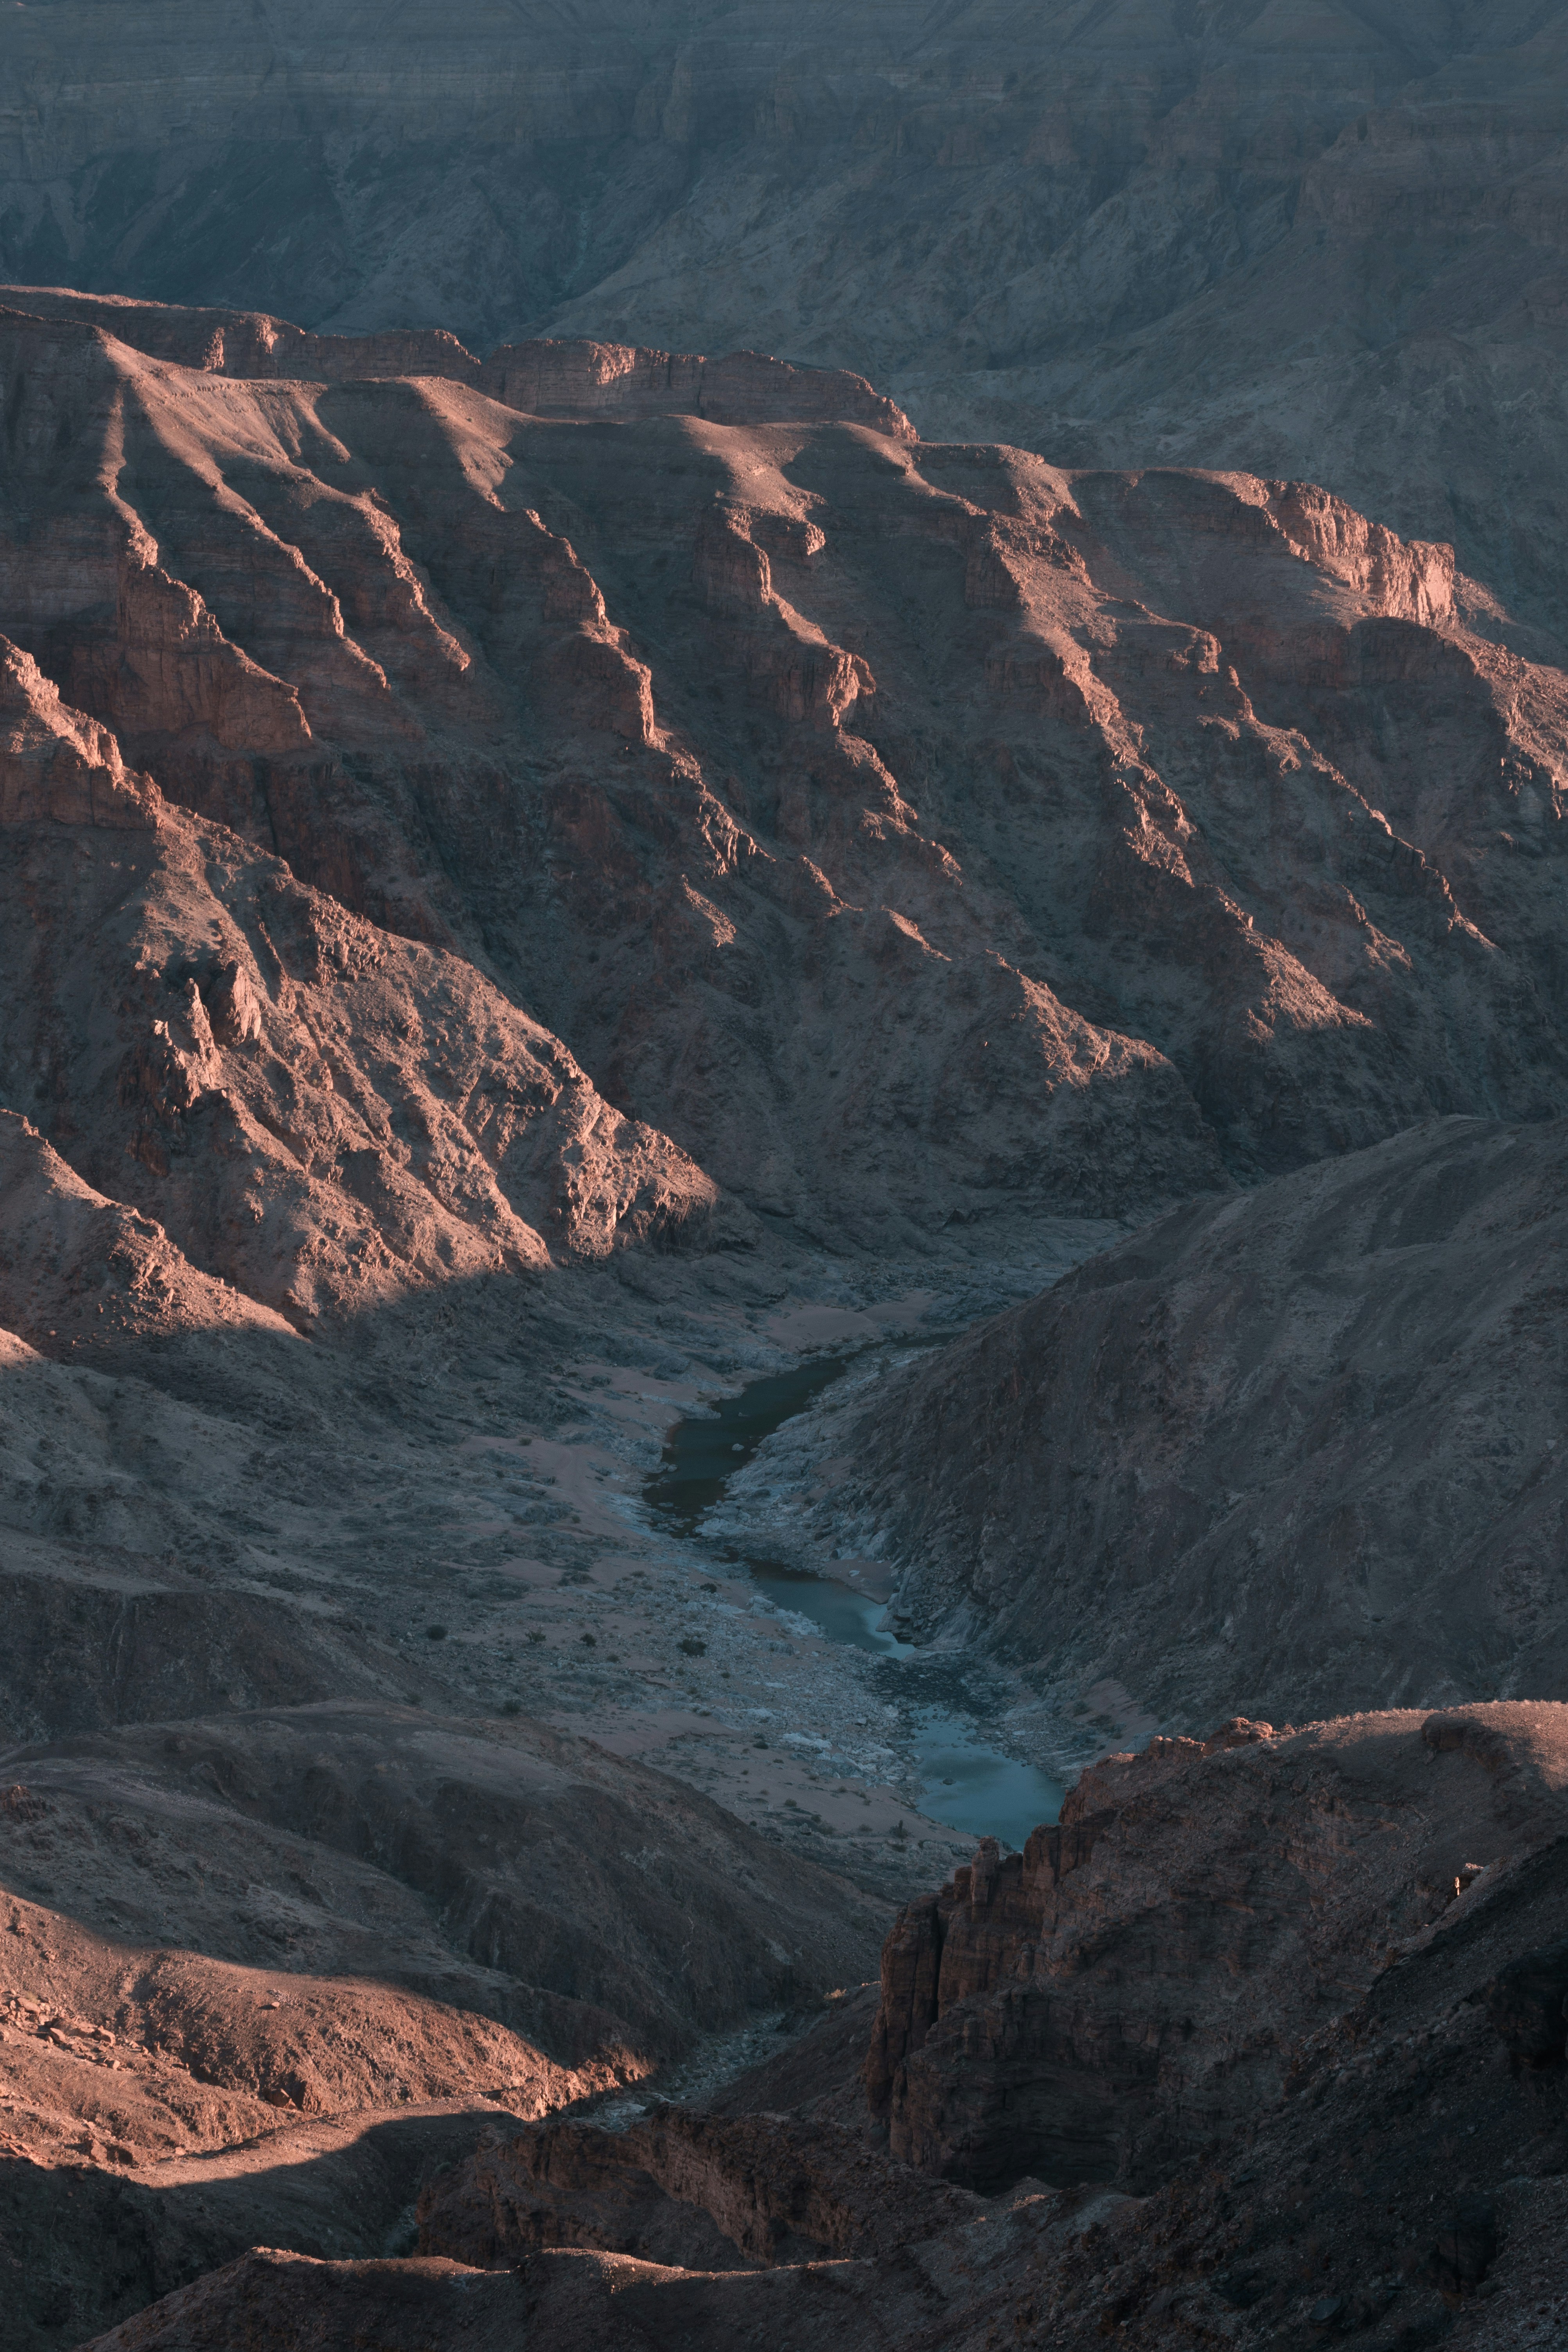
{"x": 1187, "y": 825}
{"x": 1399, "y": 2181}
{"x": 548, "y": 882}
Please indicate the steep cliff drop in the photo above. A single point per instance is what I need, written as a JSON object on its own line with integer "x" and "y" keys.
{"x": 917, "y": 835}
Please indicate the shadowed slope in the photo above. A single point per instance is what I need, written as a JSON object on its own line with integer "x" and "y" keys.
{"x": 1300, "y": 240}
{"x": 1303, "y": 1445}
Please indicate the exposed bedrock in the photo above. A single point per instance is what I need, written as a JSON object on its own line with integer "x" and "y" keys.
{"x": 262, "y": 1106}
{"x": 704, "y": 2192}
{"x": 1300, "y": 1445}
{"x": 1250, "y": 1974}
{"x": 469, "y": 819}
{"x": 572, "y": 376}
{"x": 912, "y": 833}
{"x": 1130, "y": 1990}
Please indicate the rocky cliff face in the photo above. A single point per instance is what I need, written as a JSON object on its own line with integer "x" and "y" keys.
{"x": 318, "y": 1111}
{"x": 598, "y": 814}
{"x": 912, "y": 833}
{"x": 1129, "y": 1989}
{"x": 1303, "y": 1442}
{"x": 700, "y": 2192}
{"x": 1293, "y": 240}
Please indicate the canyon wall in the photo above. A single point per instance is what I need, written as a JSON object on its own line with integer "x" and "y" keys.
{"x": 1292, "y": 240}
{"x": 912, "y": 835}
{"x": 318, "y": 1110}
{"x": 1303, "y": 1444}
{"x": 457, "y": 852}
{"x": 1289, "y": 2069}
{"x": 1130, "y": 1988}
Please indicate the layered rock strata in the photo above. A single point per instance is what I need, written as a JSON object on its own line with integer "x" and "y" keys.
{"x": 1290, "y": 239}
{"x": 883, "y": 838}
{"x": 562, "y": 376}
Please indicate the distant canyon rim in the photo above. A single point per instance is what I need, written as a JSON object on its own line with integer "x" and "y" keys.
{"x": 854, "y": 735}
{"x": 1305, "y": 241}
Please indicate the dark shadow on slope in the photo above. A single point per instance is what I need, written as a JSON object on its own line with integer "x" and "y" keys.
{"x": 80, "y": 2248}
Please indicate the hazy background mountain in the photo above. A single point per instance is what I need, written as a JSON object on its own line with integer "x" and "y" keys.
{"x": 1304, "y": 240}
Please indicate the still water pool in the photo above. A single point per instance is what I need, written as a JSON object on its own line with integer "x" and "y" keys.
{"x": 965, "y": 1782}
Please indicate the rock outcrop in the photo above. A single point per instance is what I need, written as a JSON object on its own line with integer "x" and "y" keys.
{"x": 1302, "y": 1444}
{"x": 73, "y": 1261}
{"x": 460, "y": 739}
{"x": 1393, "y": 2176}
{"x": 497, "y": 852}
{"x": 1129, "y": 1991}
{"x": 287, "y": 1107}
{"x": 57, "y": 766}
{"x": 698, "y": 2191}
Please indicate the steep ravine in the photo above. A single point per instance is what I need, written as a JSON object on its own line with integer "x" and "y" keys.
{"x": 545, "y": 895}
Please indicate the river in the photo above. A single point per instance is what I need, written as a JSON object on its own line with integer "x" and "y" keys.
{"x": 965, "y": 1781}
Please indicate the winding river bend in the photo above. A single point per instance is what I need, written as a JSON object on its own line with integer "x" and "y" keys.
{"x": 965, "y": 1781}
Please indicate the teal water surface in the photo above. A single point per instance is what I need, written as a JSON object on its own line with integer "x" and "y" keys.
{"x": 966, "y": 1783}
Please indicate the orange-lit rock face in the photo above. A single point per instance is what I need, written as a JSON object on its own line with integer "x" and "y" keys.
{"x": 910, "y": 831}
{"x": 317, "y": 1112}
{"x": 57, "y": 766}
{"x": 1310, "y": 241}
